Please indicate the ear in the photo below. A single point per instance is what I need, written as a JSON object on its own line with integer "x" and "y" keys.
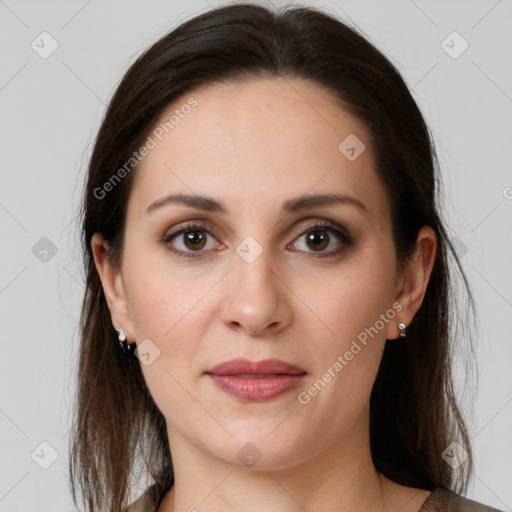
{"x": 113, "y": 286}
{"x": 412, "y": 284}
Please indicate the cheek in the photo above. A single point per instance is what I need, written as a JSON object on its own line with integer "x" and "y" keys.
{"x": 350, "y": 300}
{"x": 160, "y": 294}
{"x": 168, "y": 310}
{"x": 345, "y": 362}
{"x": 353, "y": 308}
{"x": 169, "y": 304}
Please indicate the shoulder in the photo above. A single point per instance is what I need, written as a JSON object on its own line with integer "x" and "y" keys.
{"x": 443, "y": 500}
{"x": 439, "y": 500}
{"x": 138, "y": 505}
{"x": 141, "y": 504}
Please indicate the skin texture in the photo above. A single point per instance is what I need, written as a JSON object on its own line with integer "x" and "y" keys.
{"x": 252, "y": 146}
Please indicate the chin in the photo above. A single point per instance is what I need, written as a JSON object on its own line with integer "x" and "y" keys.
{"x": 259, "y": 447}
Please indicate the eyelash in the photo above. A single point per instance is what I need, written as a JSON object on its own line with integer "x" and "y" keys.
{"x": 340, "y": 232}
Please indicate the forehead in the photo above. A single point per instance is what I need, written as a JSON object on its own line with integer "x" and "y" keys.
{"x": 257, "y": 141}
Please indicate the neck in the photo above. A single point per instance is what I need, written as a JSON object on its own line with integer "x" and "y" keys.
{"x": 340, "y": 477}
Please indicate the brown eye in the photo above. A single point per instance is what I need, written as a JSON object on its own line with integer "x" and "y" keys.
{"x": 190, "y": 241}
{"x": 318, "y": 239}
{"x": 194, "y": 239}
{"x": 319, "y": 236}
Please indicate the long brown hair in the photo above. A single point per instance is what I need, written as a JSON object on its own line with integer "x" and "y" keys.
{"x": 414, "y": 414}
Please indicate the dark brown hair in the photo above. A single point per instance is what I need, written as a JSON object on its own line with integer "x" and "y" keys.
{"x": 414, "y": 414}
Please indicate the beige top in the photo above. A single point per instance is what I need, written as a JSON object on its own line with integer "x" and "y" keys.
{"x": 439, "y": 500}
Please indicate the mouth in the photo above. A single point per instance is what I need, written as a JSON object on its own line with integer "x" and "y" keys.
{"x": 244, "y": 367}
{"x": 256, "y": 376}
{"x": 256, "y": 382}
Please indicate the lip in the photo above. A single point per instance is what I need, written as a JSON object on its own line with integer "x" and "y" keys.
{"x": 256, "y": 381}
{"x": 243, "y": 366}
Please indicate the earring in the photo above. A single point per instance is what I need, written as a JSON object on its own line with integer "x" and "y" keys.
{"x": 126, "y": 348}
{"x": 401, "y": 328}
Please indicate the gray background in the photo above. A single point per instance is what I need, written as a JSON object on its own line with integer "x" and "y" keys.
{"x": 51, "y": 108}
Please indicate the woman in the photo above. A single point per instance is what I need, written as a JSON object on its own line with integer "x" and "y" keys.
{"x": 260, "y": 222}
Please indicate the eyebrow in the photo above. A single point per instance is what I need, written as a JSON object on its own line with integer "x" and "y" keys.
{"x": 208, "y": 204}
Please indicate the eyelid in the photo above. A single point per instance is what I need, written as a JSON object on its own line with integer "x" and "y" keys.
{"x": 333, "y": 226}
{"x": 210, "y": 227}
{"x": 207, "y": 226}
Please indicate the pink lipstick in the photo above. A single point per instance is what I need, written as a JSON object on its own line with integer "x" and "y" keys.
{"x": 256, "y": 382}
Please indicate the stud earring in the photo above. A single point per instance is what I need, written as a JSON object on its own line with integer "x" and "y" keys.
{"x": 126, "y": 348}
{"x": 401, "y": 328}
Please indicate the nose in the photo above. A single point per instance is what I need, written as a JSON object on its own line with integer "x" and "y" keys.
{"x": 256, "y": 298}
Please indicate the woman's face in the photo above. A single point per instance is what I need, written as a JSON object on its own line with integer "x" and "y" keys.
{"x": 257, "y": 281}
